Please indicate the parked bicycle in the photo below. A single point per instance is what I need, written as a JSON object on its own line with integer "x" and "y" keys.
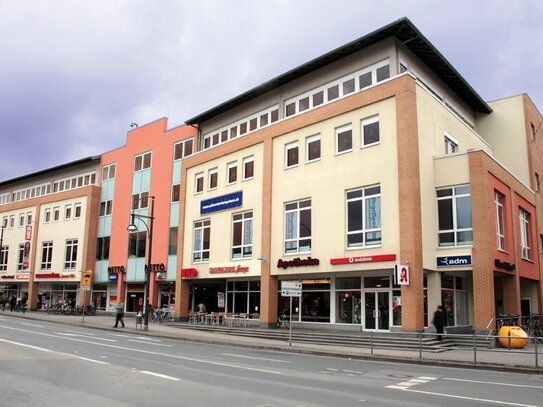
{"x": 283, "y": 319}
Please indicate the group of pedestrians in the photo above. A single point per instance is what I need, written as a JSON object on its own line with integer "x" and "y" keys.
{"x": 14, "y": 303}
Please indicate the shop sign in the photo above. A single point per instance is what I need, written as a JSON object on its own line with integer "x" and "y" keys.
{"x": 24, "y": 277}
{"x": 363, "y": 259}
{"x": 113, "y": 277}
{"x": 228, "y": 269}
{"x": 115, "y": 270}
{"x": 220, "y": 203}
{"x": 401, "y": 274}
{"x": 297, "y": 262}
{"x": 188, "y": 273}
{"x": 54, "y": 275}
{"x": 449, "y": 261}
{"x": 156, "y": 267}
{"x": 504, "y": 265}
{"x": 8, "y": 277}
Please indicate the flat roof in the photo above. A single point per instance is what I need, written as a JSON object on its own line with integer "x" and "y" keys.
{"x": 404, "y": 30}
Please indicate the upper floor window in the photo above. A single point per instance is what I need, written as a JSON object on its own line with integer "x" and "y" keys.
{"x": 56, "y": 214}
{"x": 533, "y": 130}
{"x": 172, "y": 241}
{"x": 242, "y": 235}
{"x": 102, "y": 248}
{"x": 182, "y": 149}
{"x": 232, "y": 171}
{"x": 525, "y": 243}
{"x": 21, "y": 220}
{"x": 21, "y": 257}
{"x": 142, "y": 161}
{"x": 77, "y": 211}
{"x": 67, "y": 212}
{"x": 500, "y": 224}
{"x": 140, "y": 200}
{"x": 344, "y": 139}
{"x": 46, "y": 255}
{"x": 248, "y": 167}
{"x": 370, "y": 131}
{"x": 213, "y": 177}
{"x": 451, "y": 145}
{"x": 29, "y": 218}
{"x": 12, "y": 221}
{"x": 106, "y": 208}
{"x": 70, "y": 260}
{"x": 291, "y": 155}
{"x": 202, "y": 232}
{"x": 5, "y": 222}
{"x": 199, "y": 183}
{"x": 298, "y": 227}
{"x": 364, "y": 217}
{"x": 313, "y": 148}
{"x": 454, "y": 213}
{"x": 4, "y": 258}
{"x": 108, "y": 172}
{"x": 47, "y": 216}
{"x": 175, "y": 192}
{"x": 136, "y": 244}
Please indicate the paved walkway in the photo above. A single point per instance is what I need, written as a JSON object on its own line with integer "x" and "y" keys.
{"x": 524, "y": 360}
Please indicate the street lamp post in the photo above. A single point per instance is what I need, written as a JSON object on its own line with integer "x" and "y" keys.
{"x": 133, "y": 228}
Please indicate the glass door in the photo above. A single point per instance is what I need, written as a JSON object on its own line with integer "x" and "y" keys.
{"x": 377, "y": 315}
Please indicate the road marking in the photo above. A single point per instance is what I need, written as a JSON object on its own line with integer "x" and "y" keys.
{"x": 53, "y": 351}
{"x": 162, "y": 376}
{"x": 496, "y": 383}
{"x": 149, "y": 343}
{"x": 352, "y": 371}
{"x": 146, "y": 338}
{"x": 85, "y": 336}
{"x": 36, "y": 325}
{"x": 333, "y": 370}
{"x": 255, "y": 358}
{"x": 411, "y": 382}
{"x": 471, "y": 398}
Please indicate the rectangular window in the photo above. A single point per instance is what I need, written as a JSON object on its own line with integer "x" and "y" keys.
{"x": 290, "y": 109}
{"x": 248, "y": 167}
{"x": 4, "y": 258}
{"x": 5, "y": 222}
{"x": 172, "y": 241}
{"x": 318, "y": 98}
{"x": 140, "y": 200}
{"x": 175, "y": 193}
{"x": 77, "y": 211}
{"x": 199, "y": 183}
{"x": 137, "y": 244}
{"x": 56, "y": 214}
{"x": 224, "y": 136}
{"x": 202, "y": 232}
{"x": 364, "y": 217}
{"x": 253, "y": 123}
{"x": 533, "y": 130}
{"x": 303, "y": 104}
{"x": 333, "y": 92}
{"x": 348, "y": 87}
{"x": 500, "y": 225}
{"x": 383, "y": 73}
{"x": 108, "y": 172}
{"x": 212, "y": 178}
{"x": 242, "y": 235}
{"x": 524, "y": 218}
{"x": 313, "y": 148}
{"x": 242, "y": 128}
{"x": 20, "y": 257}
{"x": 12, "y": 221}
{"x": 102, "y": 248}
{"x": 370, "y": 131}
{"x": 21, "y": 220}
{"x": 298, "y": 227}
{"x": 142, "y": 162}
{"x": 454, "y": 216}
{"x": 68, "y": 212}
{"x": 365, "y": 80}
{"x": 70, "y": 260}
{"x": 451, "y": 145}
{"x": 105, "y": 208}
{"x": 291, "y": 155}
{"x": 232, "y": 170}
{"x": 182, "y": 149}
{"x": 29, "y": 218}
{"x": 344, "y": 139}
{"x": 46, "y": 255}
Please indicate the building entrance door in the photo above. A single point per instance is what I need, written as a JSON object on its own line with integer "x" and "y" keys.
{"x": 377, "y": 315}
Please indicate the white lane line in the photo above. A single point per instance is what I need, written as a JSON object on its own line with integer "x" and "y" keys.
{"x": 255, "y": 358}
{"x": 35, "y": 325}
{"x": 149, "y": 343}
{"x": 427, "y": 378}
{"x": 53, "y": 351}
{"x": 352, "y": 371}
{"x": 148, "y": 352}
{"x": 495, "y": 383}
{"x": 333, "y": 370}
{"x": 506, "y": 403}
{"x": 85, "y": 336}
{"x": 146, "y": 338}
{"x": 162, "y": 376}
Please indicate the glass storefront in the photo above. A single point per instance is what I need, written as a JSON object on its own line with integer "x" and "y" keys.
{"x": 99, "y": 296}
{"x": 454, "y": 298}
{"x": 243, "y": 297}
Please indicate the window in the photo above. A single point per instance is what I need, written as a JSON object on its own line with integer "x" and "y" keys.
{"x": 105, "y": 208}
{"x": 500, "y": 225}
{"x": 370, "y": 131}
{"x": 213, "y": 176}
{"x": 333, "y": 92}
{"x": 451, "y": 145}
{"x": 175, "y": 193}
{"x": 70, "y": 260}
{"x": 140, "y": 201}
{"x": 29, "y": 218}
{"x": 4, "y": 258}
{"x": 364, "y": 217}
{"x": 298, "y": 227}
{"x": 533, "y": 130}
{"x": 20, "y": 258}
{"x": 172, "y": 241}
{"x": 344, "y": 139}
{"x": 242, "y": 235}
{"x": 47, "y": 216}
{"x": 313, "y": 148}
{"x": 108, "y": 172}
{"x": 383, "y": 73}
{"x": 199, "y": 183}
{"x": 12, "y": 221}
{"x": 454, "y": 213}
{"x": 136, "y": 244}
{"x": 102, "y": 248}
{"x": 232, "y": 170}
{"x": 142, "y": 162}
{"x": 21, "y": 219}
{"x": 290, "y": 109}
{"x": 537, "y": 182}
{"x": 524, "y": 218}
{"x": 5, "y": 222}
{"x": 291, "y": 155}
{"x": 67, "y": 212}
{"x": 182, "y": 149}
{"x": 77, "y": 211}
{"x": 46, "y": 255}
{"x": 56, "y": 214}
{"x": 248, "y": 167}
{"x": 202, "y": 231}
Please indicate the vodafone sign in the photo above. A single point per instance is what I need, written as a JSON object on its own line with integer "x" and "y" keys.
{"x": 363, "y": 259}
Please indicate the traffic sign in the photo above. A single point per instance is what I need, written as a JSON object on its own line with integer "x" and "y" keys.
{"x": 86, "y": 281}
{"x": 86, "y": 287}
{"x": 290, "y": 285}
{"x": 291, "y": 293}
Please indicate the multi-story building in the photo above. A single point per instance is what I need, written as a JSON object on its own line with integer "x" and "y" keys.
{"x": 48, "y": 232}
{"x": 375, "y": 155}
{"x": 143, "y": 174}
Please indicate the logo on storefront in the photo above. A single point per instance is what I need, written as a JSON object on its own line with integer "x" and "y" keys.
{"x": 504, "y": 265}
{"x": 156, "y": 267}
{"x": 115, "y": 270}
{"x": 220, "y": 203}
{"x": 189, "y": 273}
{"x": 401, "y": 274}
{"x": 55, "y": 275}
{"x": 363, "y": 259}
{"x": 297, "y": 262}
{"x": 451, "y": 261}
{"x": 229, "y": 269}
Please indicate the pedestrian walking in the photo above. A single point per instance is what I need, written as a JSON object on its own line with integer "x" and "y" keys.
{"x": 119, "y": 314}
{"x": 439, "y": 321}
{"x": 12, "y": 303}
{"x": 201, "y": 308}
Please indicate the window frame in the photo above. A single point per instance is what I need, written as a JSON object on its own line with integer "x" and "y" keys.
{"x": 146, "y": 161}
{"x": 365, "y": 197}
{"x": 201, "y": 227}
{"x": 294, "y": 145}
{"x": 4, "y": 257}
{"x": 245, "y": 162}
{"x": 230, "y": 166}
{"x": 454, "y": 207}
{"x": 245, "y": 248}
{"x": 525, "y": 234}
{"x": 297, "y": 239}
{"x": 46, "y": 255}
{"x": 70, "y": 257}
{"x": 366, "y": 122}
{"x": 198, "y": 183}
{"x": 210, "y": 173}
{"x": 67, "y": 212}
{"x": 499, "y": 207}
{"x": 451, "y": 144}
{"x": 340, "y": 130}
{"x": 308, "y": 141}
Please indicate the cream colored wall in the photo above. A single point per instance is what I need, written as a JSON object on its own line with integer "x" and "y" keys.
{"x": 326, "y": 182}
{"x": 16, "y": 235}
{"x": 58, "y": 232}
{"x": 221, "y": 222}
{"x": 504, "y": 129}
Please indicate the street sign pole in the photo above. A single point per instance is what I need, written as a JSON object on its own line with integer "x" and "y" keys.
{"x": 84, "y": 297}
{"x": 290, "y": 325}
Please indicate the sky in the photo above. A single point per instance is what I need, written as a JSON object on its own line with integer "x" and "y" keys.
{"x": 75, "y": 74}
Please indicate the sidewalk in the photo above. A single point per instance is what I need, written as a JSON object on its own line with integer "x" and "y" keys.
{"x": 523, "y": 360}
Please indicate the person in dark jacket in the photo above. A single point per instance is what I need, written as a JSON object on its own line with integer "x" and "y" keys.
{"x": 12, "y": 303}
{"x": 439, "y": 321}
{"x": 119, "y": 314}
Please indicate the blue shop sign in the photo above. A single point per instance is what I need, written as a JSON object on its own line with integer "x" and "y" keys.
{"x": 113, "y": 277}
{"x": 220, "y": 203}
{"x": 451, "y": 261}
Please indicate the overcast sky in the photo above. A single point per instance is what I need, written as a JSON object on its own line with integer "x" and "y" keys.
{"x": 74, "y": 74}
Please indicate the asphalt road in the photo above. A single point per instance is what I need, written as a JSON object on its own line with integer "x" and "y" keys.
{"x": 45, "y": 364}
